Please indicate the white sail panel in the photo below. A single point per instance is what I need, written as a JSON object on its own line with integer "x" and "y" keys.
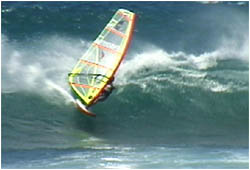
{"x": 99, "y": 64}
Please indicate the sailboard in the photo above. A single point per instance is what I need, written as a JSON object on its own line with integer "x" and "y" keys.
{"x": 98, "y": 65}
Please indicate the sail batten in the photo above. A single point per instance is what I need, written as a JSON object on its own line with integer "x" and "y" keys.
{"x": 95, "y": 64}
{"x": 103, "y": 57}
{"x": 114, "y": 31}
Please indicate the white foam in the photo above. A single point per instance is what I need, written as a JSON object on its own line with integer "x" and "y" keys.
{"x": 53, "y": 57}
{"x": 42, "y": 68}
{"x": 53, "y": 86}
{"x": 186, "y": 65}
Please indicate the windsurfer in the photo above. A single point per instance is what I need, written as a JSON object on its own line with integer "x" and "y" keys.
{"x": 106, "y": 91}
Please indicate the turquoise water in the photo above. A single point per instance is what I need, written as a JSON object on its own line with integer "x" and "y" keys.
{"x": 182, "y": 96}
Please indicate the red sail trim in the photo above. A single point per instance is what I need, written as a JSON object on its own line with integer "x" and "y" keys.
{"x": 114, "y": 31}
{"x": 95, "y": 64}
{"x": 106, "y": 48}
{"x": 123, "y": 55}
{"x": 84, "y": 86}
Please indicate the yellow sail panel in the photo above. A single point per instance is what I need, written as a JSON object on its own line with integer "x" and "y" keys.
{"x": 99, "y": 64}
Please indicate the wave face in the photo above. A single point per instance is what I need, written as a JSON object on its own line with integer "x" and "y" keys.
{"x": 184, "y": 82}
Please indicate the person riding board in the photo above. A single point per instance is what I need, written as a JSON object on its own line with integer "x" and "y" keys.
{"x": 104, "y": 95}
{"x": 106, "y": 91}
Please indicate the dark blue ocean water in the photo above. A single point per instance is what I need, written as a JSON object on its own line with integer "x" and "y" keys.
{"x": 182, "y": 96}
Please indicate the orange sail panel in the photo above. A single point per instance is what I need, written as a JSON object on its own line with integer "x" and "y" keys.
{"x": 94, "y": 69}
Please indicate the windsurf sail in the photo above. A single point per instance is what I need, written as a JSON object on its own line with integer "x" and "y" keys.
{"x": 101, "y": 61}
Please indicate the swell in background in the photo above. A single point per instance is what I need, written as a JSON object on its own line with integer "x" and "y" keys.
{"x": 184, "y": 81}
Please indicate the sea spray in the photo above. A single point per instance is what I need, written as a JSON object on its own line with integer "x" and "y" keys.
{"x": 190, "y": 109}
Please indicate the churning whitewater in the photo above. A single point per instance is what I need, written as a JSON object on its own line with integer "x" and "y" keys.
{"x": 181, "y": 97}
